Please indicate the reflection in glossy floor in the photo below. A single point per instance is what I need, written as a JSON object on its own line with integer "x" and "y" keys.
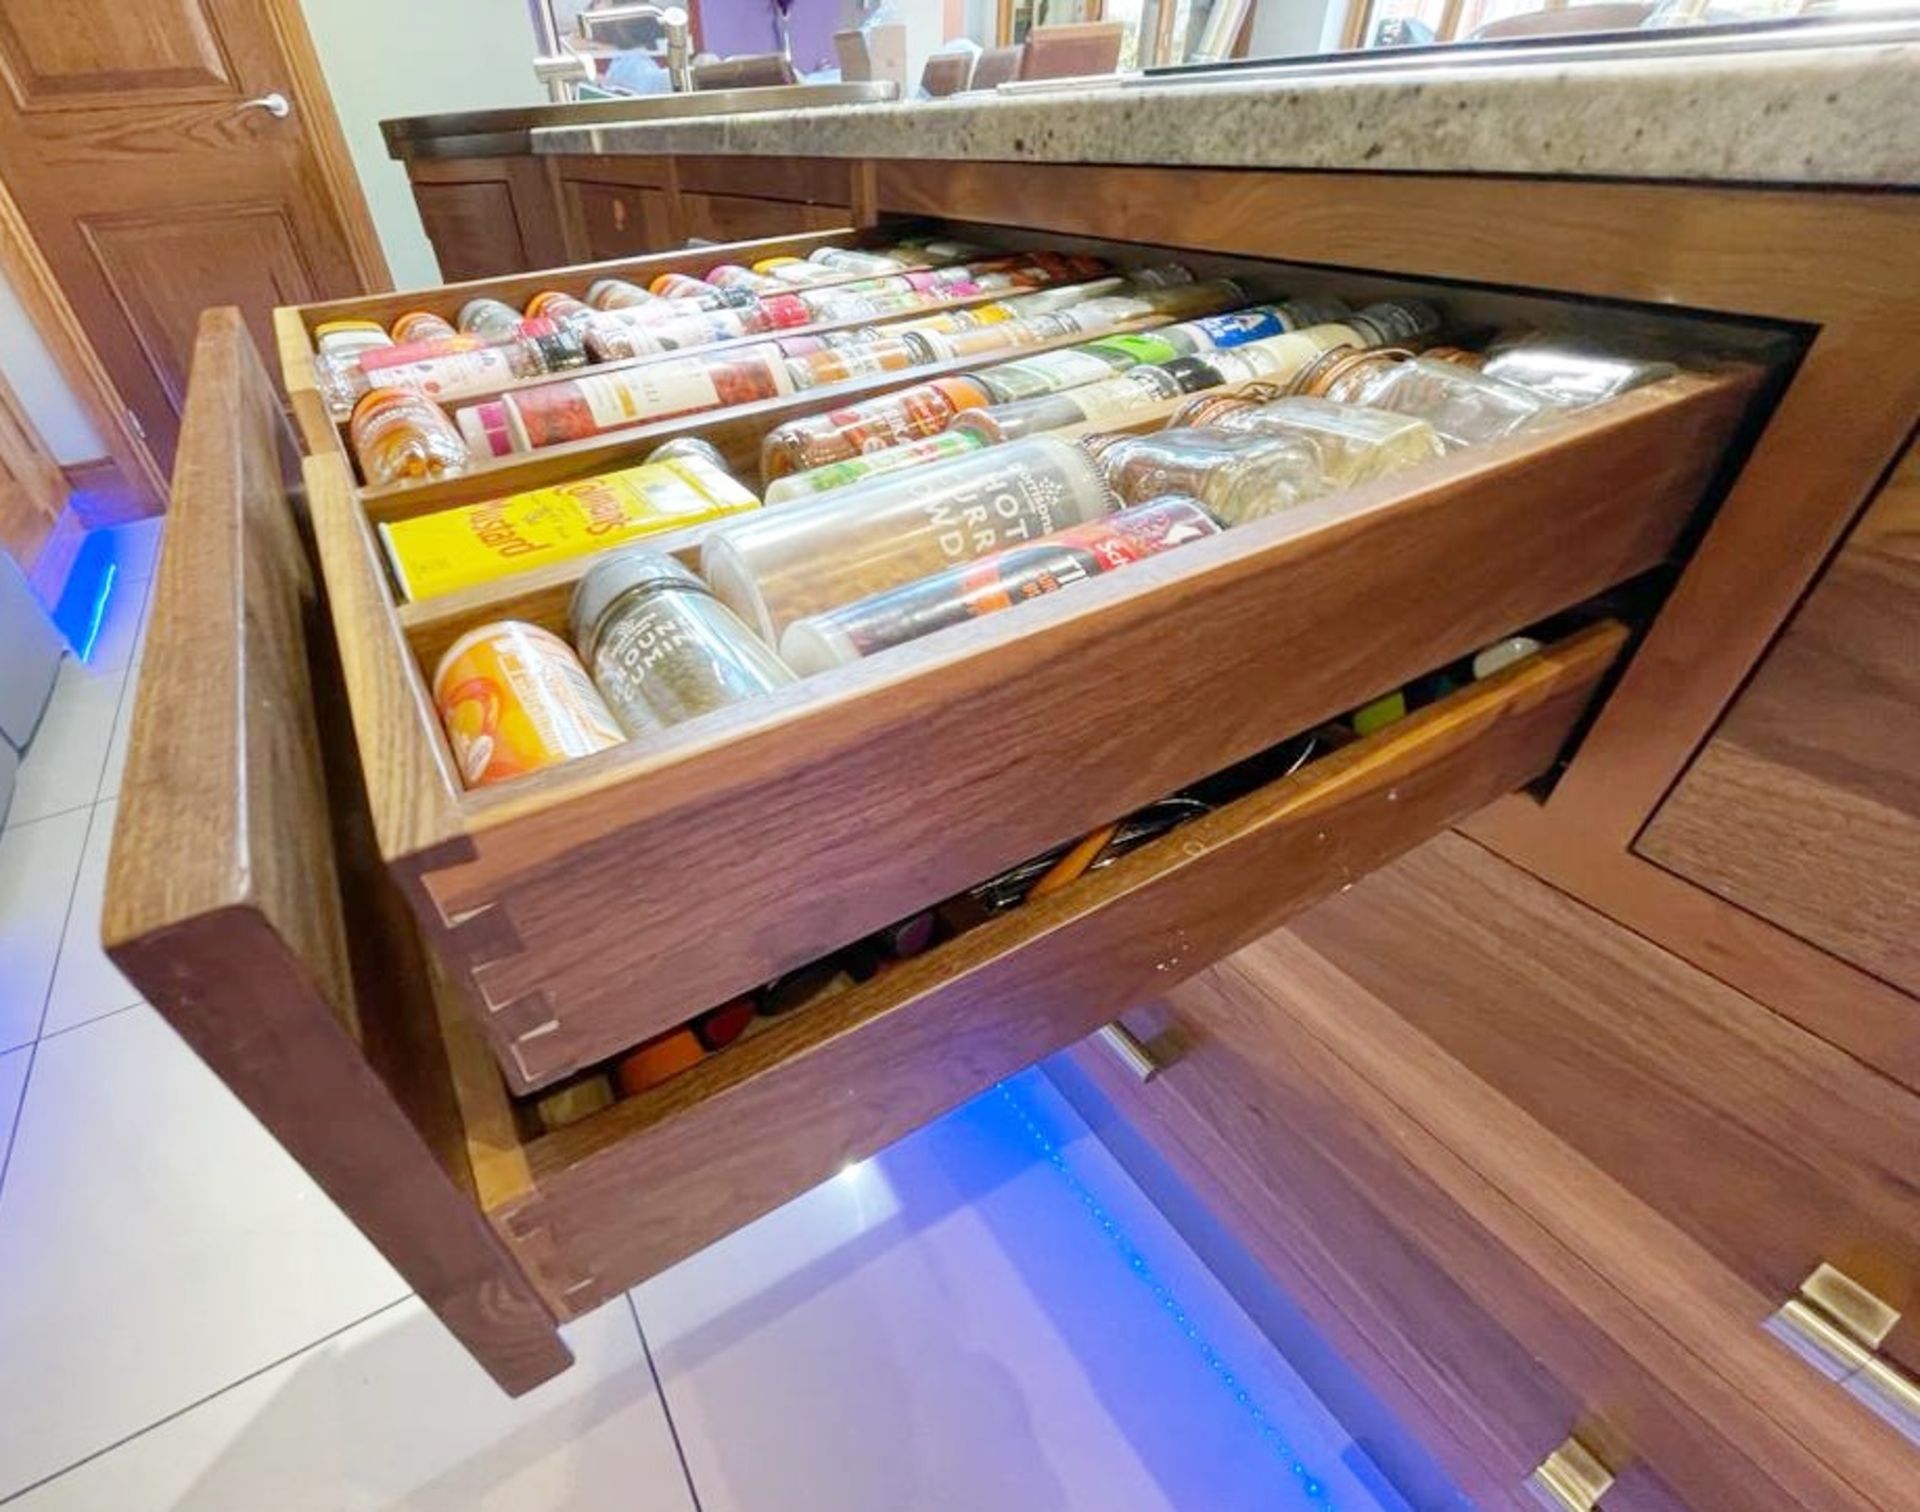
{"x": 999, "y": 1320}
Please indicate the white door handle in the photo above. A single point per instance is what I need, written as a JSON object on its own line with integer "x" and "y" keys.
{"x": 276, "y": 105}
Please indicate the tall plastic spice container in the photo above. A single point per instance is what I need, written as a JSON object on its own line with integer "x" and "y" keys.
{"x": 971, "y": 590}
{"x": 819, "y": 553}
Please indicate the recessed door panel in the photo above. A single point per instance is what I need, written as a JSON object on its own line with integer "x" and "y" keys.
{"x": 164, "y": 269}
{"x": 57, "y": 55}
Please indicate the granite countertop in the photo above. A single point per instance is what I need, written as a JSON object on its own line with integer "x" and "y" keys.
{"x": 1834, "y": 114}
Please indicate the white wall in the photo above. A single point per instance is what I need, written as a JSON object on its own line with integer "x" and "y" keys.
{"x": 1294, "y": 28}
{"x": 43, "y": 393}
{"x": 386, "y": 58}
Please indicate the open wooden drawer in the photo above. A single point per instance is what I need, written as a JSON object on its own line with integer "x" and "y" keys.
{"x": 582, "y": 909}
{"x": 244, "y": 900}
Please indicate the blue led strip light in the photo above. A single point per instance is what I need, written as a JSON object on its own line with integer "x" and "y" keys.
{"x": 1310, "y": 1483}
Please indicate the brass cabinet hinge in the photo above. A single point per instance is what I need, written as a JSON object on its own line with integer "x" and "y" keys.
{"x": 1571, "y": 1479}
{"x": 1837, "y": 1326}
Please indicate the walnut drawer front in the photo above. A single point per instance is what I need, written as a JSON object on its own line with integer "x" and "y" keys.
{"x": 602, "y": 1204}
{"x": 588, "y": 907}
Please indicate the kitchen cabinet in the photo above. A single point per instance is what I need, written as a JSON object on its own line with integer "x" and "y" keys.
{"x": 1565, "y": 1160}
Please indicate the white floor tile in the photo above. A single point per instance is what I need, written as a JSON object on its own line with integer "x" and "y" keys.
{"x": 156, "y": 1245}
{"x": 13, "y": 1076}
{"x": 392, "y": 1415}
{"x": 116, "y": 762}
{"x": 950, "y": 1328}
{"x": 38, "y": 864}
{"x": 86, "y": 984}
{"x": 69, "y": 751}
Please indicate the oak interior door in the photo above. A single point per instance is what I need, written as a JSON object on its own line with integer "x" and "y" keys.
{"x": 168, "y": 155}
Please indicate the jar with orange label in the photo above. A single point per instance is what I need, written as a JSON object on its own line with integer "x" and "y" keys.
{"x": 513, "y": 698}
{"x": 885, "y": 420}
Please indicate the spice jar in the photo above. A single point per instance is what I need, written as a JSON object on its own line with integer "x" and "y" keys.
{"x": 884, "y": 420}
{"x": 853, "y": 260}
{"x": 1238, "y": 477}
{"x": 345, "y": 339}
{"x": 1111, "y": 401}
{"x": 1350, "y": 445}
{"x": 551, "y": 413}
{"x": 1050, "y": 372}
{"x": 889, "y": 459}
{"x": 678, "y": 286}
{"x": 513, "y": 698}
{"x": 1207, "y": 408}
{"x": 1258, "y": 322}
{"x": 1464, "y": 408}
{"x": 1573, "y": 376}
{"x": 696, "y": 449}
{"x": 661, "y": 647}
{"x": 819, "y": 553}
{"x": 487, "y": 317}
{"x": 617, "y": 294}
{"x": 402, "y": 437}
{"x": 734, "y": 276}
{"x": 837, "y": 364}
{"x": 454, "y": 367}
{"x": 422, "y": 325}
{"x": 612, "y": 338}
{"x": 968, "y": 591}
{"x": 558, "y": 306}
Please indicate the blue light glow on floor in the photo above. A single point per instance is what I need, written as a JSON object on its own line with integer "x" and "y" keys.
{"x": 1310, "y": 1484}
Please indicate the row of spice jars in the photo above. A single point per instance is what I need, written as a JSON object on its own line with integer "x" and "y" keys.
{"x": 642, "y": 393}
{"x": 842, "y": 575}
{"x": 1105, "y": 381}
{"x": 491, "y": 345}
{"x": 402, "y": 434}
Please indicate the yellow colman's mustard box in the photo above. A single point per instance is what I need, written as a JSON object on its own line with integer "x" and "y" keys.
{"x": 477, "y": 543}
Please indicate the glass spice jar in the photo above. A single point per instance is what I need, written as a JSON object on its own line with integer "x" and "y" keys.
{"x": 951, "y": 442}
{"x": 660, "y": 647}
{"x": 446, "y": 368}
{"x": 1351, "y": 445}
{"x": 594, "y": 403}
{"x": 884, "y": 420}
{"x": 422, "y": 325}
{"x": 486, "y": 316}
{"x": 1573, "y": 376}
{"x": 399, "y": 436}
{"x": 616, "y": 294}
{"x": 1465, "y": 408}
{"x": 1238, "y": 477}
{"x": 1110, "y": 401}
{"x": 558, "y": 306}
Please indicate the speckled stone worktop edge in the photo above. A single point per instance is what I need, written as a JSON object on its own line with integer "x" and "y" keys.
{"x": 1833, "y": 116}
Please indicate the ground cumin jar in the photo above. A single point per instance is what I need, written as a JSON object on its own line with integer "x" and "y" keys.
{"x": 660, "y": 647}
